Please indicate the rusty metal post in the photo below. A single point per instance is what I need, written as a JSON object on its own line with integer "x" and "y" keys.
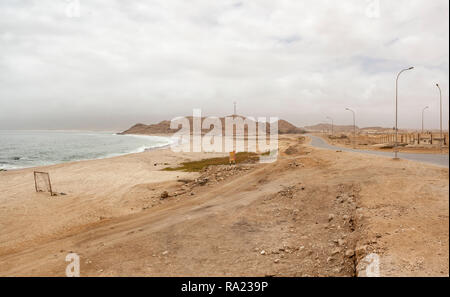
{"x": 35, "y": 183}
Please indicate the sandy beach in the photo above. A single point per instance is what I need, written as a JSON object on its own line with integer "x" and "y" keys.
{"x": 96, "y": 190}
{"x": 314, "y": 212}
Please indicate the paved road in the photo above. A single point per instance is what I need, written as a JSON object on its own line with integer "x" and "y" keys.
{"x": 440, "y": 160}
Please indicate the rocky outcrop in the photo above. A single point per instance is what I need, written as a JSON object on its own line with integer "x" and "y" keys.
{"x": 284, "y": 127}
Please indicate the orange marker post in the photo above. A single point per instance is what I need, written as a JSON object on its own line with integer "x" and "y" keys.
{"x": 233, "y": 157}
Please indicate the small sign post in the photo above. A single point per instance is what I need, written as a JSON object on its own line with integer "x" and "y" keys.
{"x": 233, "y": 157}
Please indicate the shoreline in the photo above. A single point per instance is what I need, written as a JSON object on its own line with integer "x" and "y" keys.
{"x": 95, "y": 190}
{"x": 108, "y": 156}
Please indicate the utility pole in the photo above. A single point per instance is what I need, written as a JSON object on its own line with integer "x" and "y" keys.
{"x": 423, "y": 111}
{"x": 440, "y": 120}
{"x": 354, "y": 126}
{"x": 332, "y": 126}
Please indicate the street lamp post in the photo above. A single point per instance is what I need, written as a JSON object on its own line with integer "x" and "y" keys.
{"x": 440, "y": 104}
{"x": 396, "y": 110}
{"x": 354, "y": 126}
{"x": 332, "y": 126}
{"x": 423, "y": 111}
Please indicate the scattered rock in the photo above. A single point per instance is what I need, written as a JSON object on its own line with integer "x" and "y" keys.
{"x": 292, "y": 150}
{"x": 185, "y": 181}
{"x": 361, "y": 251}
{"x": 276, "y": 261}
{"x": 263, "y": 252}
{"x": 336, "y": 251}
{"x": 202, "y": 181}
{"x": 165, "y": 253}
{"x": 342, "y": 242}
{"x": 288, "y": 192}
{"x": 330, "y": 217}
{"x": 164, "y": 195}
{"x": 349, "y": 253}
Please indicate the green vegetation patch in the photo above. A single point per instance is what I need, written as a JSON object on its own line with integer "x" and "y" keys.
{"x": 197, "y": 166}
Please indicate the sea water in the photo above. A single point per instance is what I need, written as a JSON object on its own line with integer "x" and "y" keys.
{"x": 23, "y": 149}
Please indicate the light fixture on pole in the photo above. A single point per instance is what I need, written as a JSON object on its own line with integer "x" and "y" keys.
{"x": 396, "y": 110}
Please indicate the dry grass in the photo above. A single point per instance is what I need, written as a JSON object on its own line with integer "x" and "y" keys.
{"x": 197, "y": 166}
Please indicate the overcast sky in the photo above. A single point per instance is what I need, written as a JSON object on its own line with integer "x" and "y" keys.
{"x": 110, "y": 64}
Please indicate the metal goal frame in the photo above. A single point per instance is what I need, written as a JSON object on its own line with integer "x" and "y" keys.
{"x": 35, "y": 173}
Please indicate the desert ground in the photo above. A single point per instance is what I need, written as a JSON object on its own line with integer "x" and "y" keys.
{"x": 362, "y": 142}
{"x": 313, "y": 212}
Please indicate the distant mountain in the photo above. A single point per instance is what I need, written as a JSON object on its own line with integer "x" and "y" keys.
{"x": 284, "y": 127}
{"x": 327, "y": 127}
{"x": 160, "y": 128}
{"x": 378, "y": 130}
{"x": 347, "y": 129}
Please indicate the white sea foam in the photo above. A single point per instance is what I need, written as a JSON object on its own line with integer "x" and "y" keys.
{"x": 24, "y": 149}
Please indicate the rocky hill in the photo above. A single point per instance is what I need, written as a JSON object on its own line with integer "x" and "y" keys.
{"x": 327, "y": 127}
{"x": 349, "y": 129}
{"x": 284, "y": 127}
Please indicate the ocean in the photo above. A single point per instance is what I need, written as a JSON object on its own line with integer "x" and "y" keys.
{"x": 24, "y": 149}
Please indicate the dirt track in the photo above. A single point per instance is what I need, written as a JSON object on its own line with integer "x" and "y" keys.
{"x": 304, "y": 215}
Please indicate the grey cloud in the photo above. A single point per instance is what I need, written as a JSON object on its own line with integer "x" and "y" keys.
{"x": 123, "y": 62}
